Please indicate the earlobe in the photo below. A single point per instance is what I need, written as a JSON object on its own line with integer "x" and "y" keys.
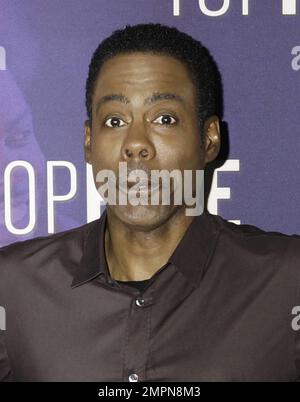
{"x": 212, "y": 138}
{"x": 87, "y": 141}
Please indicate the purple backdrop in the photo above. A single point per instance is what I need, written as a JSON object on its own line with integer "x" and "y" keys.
{"x": 45, "y": 49}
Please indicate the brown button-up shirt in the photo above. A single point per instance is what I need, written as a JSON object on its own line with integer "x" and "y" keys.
{"x": 219, "y": 310}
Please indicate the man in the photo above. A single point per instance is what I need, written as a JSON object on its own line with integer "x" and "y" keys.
{"x": 149, "y": 292}
{"x": 18, "y": 142}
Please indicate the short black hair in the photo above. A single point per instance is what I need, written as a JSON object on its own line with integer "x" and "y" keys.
{"x": 162, "y": 39}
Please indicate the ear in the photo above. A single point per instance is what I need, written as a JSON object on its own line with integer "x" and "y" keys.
{"x": 87, "y": 141}
{"x": 212, "y": 138}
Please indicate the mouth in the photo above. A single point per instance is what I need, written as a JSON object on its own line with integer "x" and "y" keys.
{"x": 141, "y": 186}
{"x": 19, "y": 209}
{"x": 16, "y": 200}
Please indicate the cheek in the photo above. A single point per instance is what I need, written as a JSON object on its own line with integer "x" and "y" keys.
{"x": 30, "y": 152}
{"x": 37, "y": 157}
{"x": 105, "y": 153}
{"x": 184, "y": 152}
{"x": 192, "y": 150}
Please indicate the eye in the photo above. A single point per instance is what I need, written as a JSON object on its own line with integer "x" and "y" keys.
{"x": 165, "y": 119}
{"x": 18, "y": 139}
{"x": 114, "y": 122}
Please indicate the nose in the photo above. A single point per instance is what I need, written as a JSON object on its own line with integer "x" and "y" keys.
{"x": 4, "y": 160}
{"x": 137, "y": 146}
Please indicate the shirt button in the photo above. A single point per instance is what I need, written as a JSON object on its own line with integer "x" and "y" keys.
{"x": 133, "y": 378}
{"x": 140, "y": 302}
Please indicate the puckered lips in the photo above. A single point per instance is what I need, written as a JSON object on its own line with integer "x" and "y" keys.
{"x": 143, "y": 185}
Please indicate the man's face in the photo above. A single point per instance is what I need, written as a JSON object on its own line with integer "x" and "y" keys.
{"x": 17, "y": 142}
{"x": 146, "y": 131}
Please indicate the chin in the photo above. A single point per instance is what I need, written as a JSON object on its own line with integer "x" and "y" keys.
{"x": 143, "y": 217}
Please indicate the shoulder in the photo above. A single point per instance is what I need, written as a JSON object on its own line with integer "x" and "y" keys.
{"x": 41, "y": 250}
{"x": 251, "y": 256}
{"x": 252, "y": 233}
{"x": 254, "y": 241}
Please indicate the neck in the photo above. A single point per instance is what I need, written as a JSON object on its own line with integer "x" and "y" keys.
{"x": 135, "y": 255}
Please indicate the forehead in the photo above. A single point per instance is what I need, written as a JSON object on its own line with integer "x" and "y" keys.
{"x": 142, "y": 72}
{"x": 14, "y": 110}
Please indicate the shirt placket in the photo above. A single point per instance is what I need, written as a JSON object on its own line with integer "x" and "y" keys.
{"x": 137, "y": 338}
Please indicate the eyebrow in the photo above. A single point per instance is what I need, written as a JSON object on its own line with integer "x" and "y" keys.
{"x": 155, "y": 97}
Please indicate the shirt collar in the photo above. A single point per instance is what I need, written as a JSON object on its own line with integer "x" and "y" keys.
{"x": 196, "y": 248}
{"x": 191, "y": 256}
{"x": 93, "y": 261}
